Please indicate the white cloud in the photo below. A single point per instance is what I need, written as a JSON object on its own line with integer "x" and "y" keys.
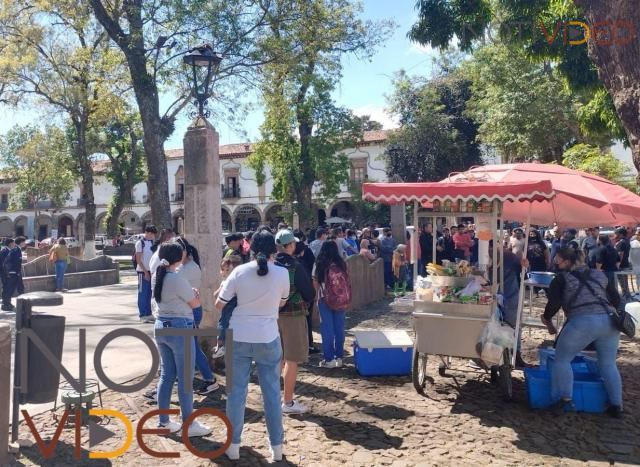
{"x": 378, "y": 114}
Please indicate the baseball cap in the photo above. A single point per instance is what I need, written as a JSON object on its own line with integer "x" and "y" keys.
{"x": 285, "y": 236}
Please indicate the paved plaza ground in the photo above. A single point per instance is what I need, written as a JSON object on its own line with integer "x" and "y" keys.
{"x": 373, "y": 421}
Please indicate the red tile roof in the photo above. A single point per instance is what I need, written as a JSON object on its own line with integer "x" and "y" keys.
{"x": 231, "y": 151}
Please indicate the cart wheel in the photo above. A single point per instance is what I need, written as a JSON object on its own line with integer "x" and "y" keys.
{"x": 504, "y": 376}
{"x": 442, "y": 369}
{"x": 419, "y": 372}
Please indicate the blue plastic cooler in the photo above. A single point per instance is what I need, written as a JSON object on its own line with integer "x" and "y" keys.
{"x": 383, "y": 353}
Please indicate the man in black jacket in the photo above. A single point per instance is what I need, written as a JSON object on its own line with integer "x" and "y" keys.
{"x": 305, "y": 256}
{"x": 9, "y": 244}
{"x": 292, "y": 320}
{"x": 12, "y": 267}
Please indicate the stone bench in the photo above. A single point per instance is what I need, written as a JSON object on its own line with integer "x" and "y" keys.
{"x": 39, "y": 274}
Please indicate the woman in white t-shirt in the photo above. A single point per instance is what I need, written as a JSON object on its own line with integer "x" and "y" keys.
{"x": 261, "y": 288}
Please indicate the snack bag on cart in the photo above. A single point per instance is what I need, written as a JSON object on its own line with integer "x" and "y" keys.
{"x": 496, "y": 336}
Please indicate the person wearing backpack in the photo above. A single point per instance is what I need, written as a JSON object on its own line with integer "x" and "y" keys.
{"x": 9, "y": 244}
{"x": 332, "y": 283}
{"x": 143, "y": 255}
{"x": 587, "y": 298}
{"x": 292, "y": 318}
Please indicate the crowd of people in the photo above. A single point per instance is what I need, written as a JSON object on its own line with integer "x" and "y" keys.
{"x": 273, "y": 280}
{"x": 271, "y": 284}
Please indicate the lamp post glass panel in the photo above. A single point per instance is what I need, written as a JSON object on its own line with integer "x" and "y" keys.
{"x": 204, "y": 64}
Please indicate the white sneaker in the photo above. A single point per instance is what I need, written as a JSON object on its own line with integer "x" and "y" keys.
{"x": 218, "y": 352}
{"x": 276, "y": 453}
{"x": 172, "y": 426}
{"x": 338, "y": 363}
{"x": 294, "y": 408}
{"x": 233, "y": 452}
{"x": 198, "y": 429}
{"x": 328, "y": 364}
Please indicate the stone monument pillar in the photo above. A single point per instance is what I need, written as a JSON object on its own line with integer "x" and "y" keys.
{"x": 202, "y": 211}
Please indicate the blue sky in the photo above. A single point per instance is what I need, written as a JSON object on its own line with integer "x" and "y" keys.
{"x": 363, "y": 87}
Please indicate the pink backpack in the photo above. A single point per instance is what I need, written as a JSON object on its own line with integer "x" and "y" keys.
{"x": 337, "y": 289}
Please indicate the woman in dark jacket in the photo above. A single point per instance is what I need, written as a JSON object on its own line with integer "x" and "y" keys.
{"x": 586, "y": 296}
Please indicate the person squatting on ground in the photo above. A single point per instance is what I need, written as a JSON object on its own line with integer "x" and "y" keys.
{"x": 292, "y": 319}
{"x": 143, "y": 257}
{"x": 190, "y": 270}
{"x": 586, "y": 296}
{"x": 333, "y": 288}
{"x": 227, "y": 265}
{"x": 261, "y": 288}
{"x": 174, "y": 301}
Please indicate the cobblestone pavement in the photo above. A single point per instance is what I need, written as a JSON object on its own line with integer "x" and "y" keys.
{"x": 383, "y": 421}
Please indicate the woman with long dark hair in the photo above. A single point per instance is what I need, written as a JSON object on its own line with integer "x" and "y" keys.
{"x": 261, "y": 288}
{"x": 331, "y": 281}
{"x": 174, "y": 299}
{"x": 190, "y": 270}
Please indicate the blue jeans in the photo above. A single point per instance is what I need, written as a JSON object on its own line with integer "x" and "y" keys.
{"x": 61, "y": 267}
{"x": 332, "y": 331}
{"x": 172, "y": 366}
{"x": 225, "y": 317}
{"x": 144, "y": 295}
{"x": 579, "y": 332}
{"x": 202, "y": 363}
{"x": 267, "y": 357}
{"x": 388, "y": 274}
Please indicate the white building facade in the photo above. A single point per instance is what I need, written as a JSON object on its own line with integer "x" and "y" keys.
{"x": 245, "y": 204}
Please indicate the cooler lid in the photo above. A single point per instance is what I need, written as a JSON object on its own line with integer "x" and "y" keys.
{"x": 370, "y": 339}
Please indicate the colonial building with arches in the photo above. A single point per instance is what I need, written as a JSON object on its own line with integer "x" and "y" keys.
{"x": 245, "y": 204}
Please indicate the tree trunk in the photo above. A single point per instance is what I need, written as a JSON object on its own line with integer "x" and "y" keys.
{"x": 154, "y": 137}
{"x": 146, "y": 91}
{"x": 118, "y": 202}
{"x": 617, "y": 62}
{"x": 83, "y": 162}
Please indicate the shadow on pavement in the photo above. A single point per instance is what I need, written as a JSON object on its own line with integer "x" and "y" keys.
{"x": 583, "y": 437}
{"x": 362, "y": 434}
{"x": 63, "y": 456}
{"x": 380, "y": 411}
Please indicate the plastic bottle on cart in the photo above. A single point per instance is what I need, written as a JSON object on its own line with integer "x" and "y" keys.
{"x": 471, "y": 206}
{"x": 436, "y": 205}
{"x": 462, "y": 206}
{"x": 447, "y": 205}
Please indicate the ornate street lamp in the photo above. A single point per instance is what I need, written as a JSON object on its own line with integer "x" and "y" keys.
{"x": 204, "y": 64}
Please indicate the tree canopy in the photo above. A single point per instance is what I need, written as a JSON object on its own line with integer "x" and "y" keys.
{"x": 39, "y": 163}
{"x": 303, "y": 128}
{"x": 553, "y": 31}
{"x": 56, "y": 56}
{"x": 592, "y": 160}
{"x": 436, "y": 136}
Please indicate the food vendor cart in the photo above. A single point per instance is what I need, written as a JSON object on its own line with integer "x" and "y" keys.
{"x": 449, "y": 325}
